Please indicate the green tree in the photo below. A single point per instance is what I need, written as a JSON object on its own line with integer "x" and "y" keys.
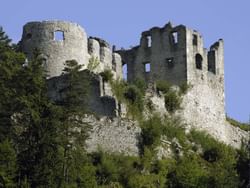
{"x": 74, "y": 131}
{"x": 7, "y": 164}
{"x": 10, "y": 66}
{"x": 37, "y": 125}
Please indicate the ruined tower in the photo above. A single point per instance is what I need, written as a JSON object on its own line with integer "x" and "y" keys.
{"x": 57, "y": 41}
{"x": 60, "y": 41}
{"x": 177, "y": 55}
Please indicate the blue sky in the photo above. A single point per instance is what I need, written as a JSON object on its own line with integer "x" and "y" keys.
{"x": 121, "y": 22}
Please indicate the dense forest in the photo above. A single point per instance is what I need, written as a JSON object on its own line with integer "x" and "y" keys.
{"x": 42, "y": 142}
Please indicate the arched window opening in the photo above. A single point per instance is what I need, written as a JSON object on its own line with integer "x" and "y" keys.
{"x": 198, "y": 61}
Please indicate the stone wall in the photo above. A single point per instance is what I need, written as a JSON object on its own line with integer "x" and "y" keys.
{"x": 113, "y": 135}
{"x": 60, "y": 41}
{"x": 71, "y": 45}
{"x": 164, "y": 50}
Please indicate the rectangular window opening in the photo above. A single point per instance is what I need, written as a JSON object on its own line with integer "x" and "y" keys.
{"x": 58, "y": 35}
{"x": 147, "y": 67}
{"x": 125, "y": 71}
{"x": 175, "y": 37}
{"x": 149, "y": 40}
{"x": 195, "y": 40}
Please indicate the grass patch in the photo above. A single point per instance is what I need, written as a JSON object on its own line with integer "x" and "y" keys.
{"x": 243, "y": 126}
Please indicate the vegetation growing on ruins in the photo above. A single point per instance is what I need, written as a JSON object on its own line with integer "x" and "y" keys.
{"x": 243, "y": 126}
{"x": 93, "y": 63}
{"x": 42, "y": 143}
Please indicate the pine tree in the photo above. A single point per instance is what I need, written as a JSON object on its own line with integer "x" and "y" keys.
{"x": 38, "y": 144}
{"x": 74, "y": 131}
{"x": 10, "y": 66}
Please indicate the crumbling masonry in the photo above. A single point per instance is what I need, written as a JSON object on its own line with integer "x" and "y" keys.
{"x": 175, "y": 54}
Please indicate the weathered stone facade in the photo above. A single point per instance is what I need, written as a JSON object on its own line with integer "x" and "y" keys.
{"x": 174, "y": 54}
{"x": 60, "y": 41}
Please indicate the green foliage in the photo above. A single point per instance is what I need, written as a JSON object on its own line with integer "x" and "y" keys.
{"x": 184, "y": 88}
{"x": 140, "y": 84}
{"x": 133, "y": 94}
{"x": 152, "y": 130}
{"x": 221, "y": 158}
{"x": 172, "y": 97}
{"x": 37, "y": 142}
{"x": 130, "y": 94}
{"x": 173, "y": 128}
{"x": 243, "y": 126}
{"x": 7, "y": 164}
{"x": 172, "y": 101}
{"x": 145, "y": 180}
{"x": 190, "y": 172}
{"x": 4, "y": 40}
{"x": 163, "y": 86}
{"x": 243, "y": 165}
{"x": 118, "y": 89}
{"x": 93, "y": 63}
{"x": 77, "y": 87}
{"x": 107, "y": 75}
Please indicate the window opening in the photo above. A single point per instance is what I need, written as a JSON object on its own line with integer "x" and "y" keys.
{"x": 58, "y": 35}
{"x": 147, "y": 67}
{"x": 125, "y": 71}
{"x": 195, "y": 40}
{"x": 198, "y": 61}
{"x": 211, "y": 62}
{"x": 149, "y": 39}
{"x": 175, "y": 37}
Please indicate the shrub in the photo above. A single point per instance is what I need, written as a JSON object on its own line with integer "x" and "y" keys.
{"x": 118, "y": 89}
{"x": 174, "y": 129}
{"x": 134, "y": 99}
{"x": 141, "y": 85}
{"x": 132, "y": 94}
{"x": 243, "y": 167}
{"x": 221, "y": 160}
{"x": 189, "y": 172}
{"x": 162, "y": 86}
{"x": 184, "y": 88}
{"x": 143, "y": 181}
{"x": 93, "y": 63}
{"x": 172, "y": 101}
{"x": 107, "y": 75}
{"x": 106, "y": 169}
{"x": 152, "y": 130}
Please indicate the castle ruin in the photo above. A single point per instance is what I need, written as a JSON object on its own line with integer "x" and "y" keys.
{"x": 174, "y": 54}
